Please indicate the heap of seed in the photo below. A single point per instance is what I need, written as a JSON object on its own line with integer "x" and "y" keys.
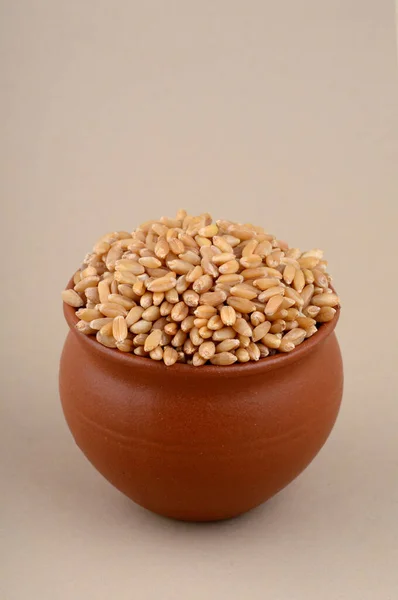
{"x": 193, "y": 291}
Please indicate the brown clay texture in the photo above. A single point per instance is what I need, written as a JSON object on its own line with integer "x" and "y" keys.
{"x": 200, "y": 443}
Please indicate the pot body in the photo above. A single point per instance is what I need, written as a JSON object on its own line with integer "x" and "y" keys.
{"x": 204, "y": 443}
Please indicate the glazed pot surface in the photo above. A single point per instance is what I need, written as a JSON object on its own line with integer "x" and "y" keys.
{"x": 200, "y": 443}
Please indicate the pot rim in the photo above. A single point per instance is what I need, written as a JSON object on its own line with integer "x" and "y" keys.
{"x": 263, "y": 365}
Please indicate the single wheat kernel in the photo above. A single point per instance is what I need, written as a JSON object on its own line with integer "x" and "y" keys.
{"x": 153, "y": 340}
{"x": 119, "y": 328}
{"x": 207, "y": 350}
{"x": 72, "y": 298}
{"x": 325, "y": 314}
{"x": 106, "y": 340}
{"x": 223, "y": 358}
{"x": 170, "y": 356}
{"x": 215, "y": 322}
{"x": 242, "y": 355}
{"x": 125, "y": 346}
{"x": 228, "y": 315}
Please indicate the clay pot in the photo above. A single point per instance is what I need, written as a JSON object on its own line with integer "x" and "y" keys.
{"x": 200, "y": 443}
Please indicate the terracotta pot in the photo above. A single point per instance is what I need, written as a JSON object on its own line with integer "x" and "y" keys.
{"x": 200, "y": 443}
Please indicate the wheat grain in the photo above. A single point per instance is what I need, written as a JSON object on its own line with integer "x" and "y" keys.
{"x": 72, "y": 298}
{"x": 205, "y": 332}
{"x": 146, "y": 300}
{"x": 88, "y": 314}
{"x": 311, "y": 311}
{"x": 127, "y": 303}
{"x": 325, "y": 314}
{"x": 207, "y": 350}
{"x": 244, "y": 290}
{"x": 159, "y": 323}
{"x": 194, "y": 274}
{"x": 278, "y": 326}
{"x": 172, "y": 296}
{"x": 223, "y": 334}
{"x": 139, "y": 351}
{"x": 308, "y": 262}
{"x": 305, "y": 322}
{"x": 287, "y": 303}
{"x": 271, "y": 341}
{"x": 320, "y": 279}
{"x": 286, "y": 346}
{"x": 141, "y": 326}
{"x": 205, "y": 311}
{"x": 107, "y": 329}
{"x": 200, "y": 322}
{"x": 291, "y": 325}
{"x": 165, "y": 308}
{"x": 152, "y": 313}
{"x": 85, "y": 328}
{"x": 322, "y": 300}
{"x": 188, "y": 323}
{"x": 114, "y": 254}
{"x": 114, "y": 287}
{"x": 223, "y": 359}
{"x": 311, "y": 330}
{"x": 170, "y": 356}
{"x": 134, "y": 315}
{"x": 289, "y": 273}
{"x": 309, "y": 276}
{"x": 111, "y": 309}
{"x": 106, "y": 340}
{"x": 281, "y": 314}
{"x": 179, "y": 311}
{"x": 162, "y": 284}
{"x": 83, "y": 284}
{"x": 92, "y": 295}
{"x": 227, "y": 345}
{"x": 157, "y": 298}
{"x": 194, "y": 336}
{"x": 242, "y": 327}
{"x": 260, "y": 331}
{"x": 254, "y": 351}
{"x": 198, "y": 360}
{"x": 244, "y": 341}
{"x": 273, "y": 305}
{"x": 296, "y": 335}
{"x": 270, "y": 292}
{"x": 242, "y": 355}
{"x": 153, "y": 340}
{"x": 97, "y": 324}
{"x": 157, "y": 353}
{"x": 189, "y": 347}
{"x": 77, "y": 277}
{"x": 139, "y": 288}
{"x": 256, "y": 318}
{"x": 264, "y": 351}
{"x": 213, "y": 298}
{"x": 241, "y": 305}
{"x": 125, "y": 346}
{"x": 139, "y": 339}
{"x": 215, "y": 322}
{"x": 179, "y": 338}
{"x": 219, "y": 287}
{"x": 227, "y": 315}
{"x": 119, "y": 329}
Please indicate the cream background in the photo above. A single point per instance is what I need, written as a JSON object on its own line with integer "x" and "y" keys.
{"x": 281, "y": 113}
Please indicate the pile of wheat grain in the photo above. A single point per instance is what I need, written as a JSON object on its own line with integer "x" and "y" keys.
{"x": 193, "y": 291}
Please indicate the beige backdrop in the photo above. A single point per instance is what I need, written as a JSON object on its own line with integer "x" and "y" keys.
{"x": 281, "y": 113}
